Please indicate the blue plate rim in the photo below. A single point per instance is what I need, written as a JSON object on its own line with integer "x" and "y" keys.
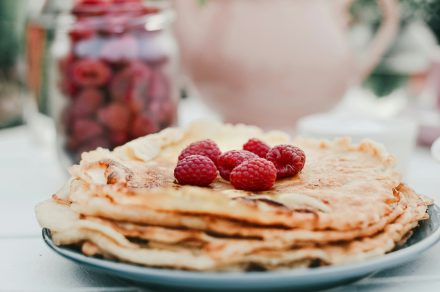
{"x": 349, "y": 270}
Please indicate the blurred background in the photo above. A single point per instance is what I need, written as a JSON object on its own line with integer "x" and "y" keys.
{"x": 76, "y": 75}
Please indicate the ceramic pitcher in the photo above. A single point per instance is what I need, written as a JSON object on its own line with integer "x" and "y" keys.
{"x": 269, "y": 62}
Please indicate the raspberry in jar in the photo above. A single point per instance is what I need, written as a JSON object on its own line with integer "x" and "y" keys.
{"x": 115, "y": 74}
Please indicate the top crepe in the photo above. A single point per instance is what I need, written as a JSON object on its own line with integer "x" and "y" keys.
{"x": 342, "y": 186}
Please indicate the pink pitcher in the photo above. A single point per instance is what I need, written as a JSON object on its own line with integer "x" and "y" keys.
{"x": 269, "y": 62}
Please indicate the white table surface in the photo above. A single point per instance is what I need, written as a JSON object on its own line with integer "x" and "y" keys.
{"x": 29, "y": 173}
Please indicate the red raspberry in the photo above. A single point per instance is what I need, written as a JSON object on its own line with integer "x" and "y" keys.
{"x": 65, "y": 83}
{"x": 65, "y": 64}
{"x": 158, "y": 87}
{"x": 114, "y": 23}
{"x": 130, "y": 7}
{"x": 288, "y": 159}
{"x": 88, "y": 72}
{"x": 206, "y": 148}
{"x": 257, "y": 146}
{"x": 127, "y": 1}
{"x": 81, "y": 30}
{"x": 231, "y": 159}
{"x": 257, "y": 174}
{"x": 115, "y": 116}
{"x": 195, "y": 170}
{"x": 67, "y": 119}
{"x": 165, "y": 111}
{"x": 136, "y": 105}
{"x": 118, "y": 138}
{"x": 131, "y": 82}
{"x": 96, "y": 142}
{"x": 133, "y": 7}
{"x": 85, "y": 129}
{"x": 67, "y": 87}
{"x": 84, "y": 105}
{"x": 143, "y": 125}
{"x": 87, "y": 8}
{"x": 87, "y": 102}
{"x": 150, "y": 10}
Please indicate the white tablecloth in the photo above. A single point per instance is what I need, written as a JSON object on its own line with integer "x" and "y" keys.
{"x": 29, "y": 173}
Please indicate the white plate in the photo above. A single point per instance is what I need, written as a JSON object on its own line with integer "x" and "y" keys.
{"x": 426, "y": 235}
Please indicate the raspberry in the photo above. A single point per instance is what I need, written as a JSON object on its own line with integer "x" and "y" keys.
{"x": 92, "y": 2}
{"x": 96, "y": 142}
{"x": 136, "y": 105}
{"x": 206, "y": 148}
{"x": 65, "y": 83}
{"x": 87, "y": 8}
{"x": 133, "y": 7}
{"x": 165, "y": 111}
{"x": 257, "y": 174}
{"x": 195, "y": 170}
{"x": 131, "y": 83}
{"x": 115, "y": 116}
{"x": 81, "y": 30}
{"x": 127, "y": 1}
{"x": 67, "y": 87}
{"x": 158, "y": 87}
{"x": 85, "y": 129}
{"x": 257, "y": 146}
{"x": 288, "y": 159}
{"x": 87, "y": 102}
{"x": 114, "y": 23}
{"x": 231, "y": 159}
{"x": 118, "y": 138}
{"x": 67, "y": 118}
{"x": 89, "y": 72}
{"x": 65, "y": 63}
{"x": 142, "y": 125}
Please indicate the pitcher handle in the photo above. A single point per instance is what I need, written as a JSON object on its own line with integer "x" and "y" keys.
{"x": 383, "y": 38}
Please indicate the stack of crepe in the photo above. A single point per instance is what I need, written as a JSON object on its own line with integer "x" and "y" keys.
{"x": 348, "y": 204}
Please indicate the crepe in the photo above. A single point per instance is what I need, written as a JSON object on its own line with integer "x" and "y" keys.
{"x": 341, "y": 187}
{"x": 347, "y": 204}
{"x": 97, "y": 205}
{"x": 163, "y": 247}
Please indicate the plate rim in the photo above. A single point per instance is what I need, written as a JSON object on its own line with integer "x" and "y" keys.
{"x": 349, "y": 270}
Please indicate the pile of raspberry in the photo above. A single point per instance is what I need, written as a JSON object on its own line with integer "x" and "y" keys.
{"x": 254, "y": 168}
{"x": 114, "y": 77}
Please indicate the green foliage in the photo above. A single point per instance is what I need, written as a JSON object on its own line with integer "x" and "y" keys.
{"x": 202, "y": 2}
{"x": 432, "y": 18}
{"x": 383, "y": 81}
{"x": 11, "y": 31}
{"x": 384, "y": 84}
{"x": 367, "y": 11}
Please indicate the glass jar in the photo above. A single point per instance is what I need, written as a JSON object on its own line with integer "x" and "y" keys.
{"x": 40, "y": 31}
{"x": 114, "y": 74}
